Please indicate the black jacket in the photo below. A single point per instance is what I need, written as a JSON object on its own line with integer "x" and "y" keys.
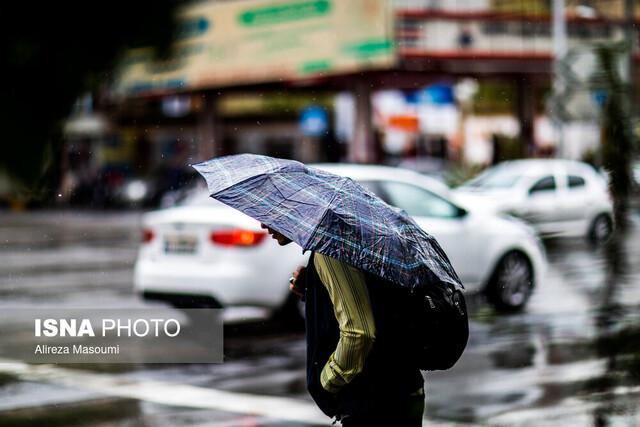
{"x": 386, "y": 375}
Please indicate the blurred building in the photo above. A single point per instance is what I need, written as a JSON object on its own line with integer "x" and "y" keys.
{"x": 371, "y": 81}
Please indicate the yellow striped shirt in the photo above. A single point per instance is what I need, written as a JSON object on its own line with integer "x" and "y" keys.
{"x": 352, "y": 308}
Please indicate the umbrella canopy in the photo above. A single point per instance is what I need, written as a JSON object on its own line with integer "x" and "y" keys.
{"x": 329, "y": 214}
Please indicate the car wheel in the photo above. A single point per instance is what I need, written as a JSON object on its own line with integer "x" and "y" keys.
{"x": 512, "y": 282}
{"x": 601, "y": 228}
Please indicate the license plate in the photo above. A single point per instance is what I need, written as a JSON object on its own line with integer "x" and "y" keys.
{"x": 175, "y": 244}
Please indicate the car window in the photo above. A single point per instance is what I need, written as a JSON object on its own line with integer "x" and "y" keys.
{"x": 548, "y": 183}
{"x": 374, "y": 188}
{"x": 416, "y": 201}
{"x": 574, "y": 181}
{"x": 497, "y": 178}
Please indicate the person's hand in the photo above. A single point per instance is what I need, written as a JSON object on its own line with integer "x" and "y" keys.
{"x": 298, "y": 280}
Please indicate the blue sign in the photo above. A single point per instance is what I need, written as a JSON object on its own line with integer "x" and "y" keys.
{"x": 314, "y": 121}
{"x": 599, "y": 97}
{"x": 439, "y": 94}
{"x": 192, "y": 27}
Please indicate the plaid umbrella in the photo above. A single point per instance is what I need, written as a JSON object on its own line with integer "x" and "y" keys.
{"x": 329, "y": 214}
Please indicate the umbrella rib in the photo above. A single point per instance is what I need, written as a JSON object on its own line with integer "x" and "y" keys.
{"x": 235, "y": 184}
{"x": 335, "y": 194}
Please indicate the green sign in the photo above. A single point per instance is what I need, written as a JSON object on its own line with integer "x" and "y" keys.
{"x": 234, "y": 43}
{"x": 285, "y": 13}
{"x": 370, "y": 48}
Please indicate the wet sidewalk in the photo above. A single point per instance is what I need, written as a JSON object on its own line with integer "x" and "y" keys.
{"x": 571, "y": 358}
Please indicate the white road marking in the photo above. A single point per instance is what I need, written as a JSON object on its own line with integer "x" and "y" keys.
{"x": 281, "y": 408}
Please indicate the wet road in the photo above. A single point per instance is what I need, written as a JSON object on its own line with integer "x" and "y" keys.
{"x": 571, "y": 358}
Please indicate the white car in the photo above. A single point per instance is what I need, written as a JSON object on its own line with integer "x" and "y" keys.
{"x": 204, "y": 253}
{"x": 494, "y": 254}
{"x": 558, "y": 197}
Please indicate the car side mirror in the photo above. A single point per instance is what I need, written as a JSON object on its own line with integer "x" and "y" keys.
{"x": 461, "y": 213}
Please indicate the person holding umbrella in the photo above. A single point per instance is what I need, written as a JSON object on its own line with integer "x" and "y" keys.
{"x": 341, "y": 324}
{"x": 367, "y": 257}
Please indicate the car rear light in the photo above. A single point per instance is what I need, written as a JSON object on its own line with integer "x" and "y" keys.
{"x": 147, "y": 235}
{"x": 237, "y": 237}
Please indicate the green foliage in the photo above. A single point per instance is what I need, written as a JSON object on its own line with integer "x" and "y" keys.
{"x": 525, "y": 7}
{"x": 495, "y": 97}
{"x": 459, "y": 174}
{"x": 617, "y": 136}
{"x": 510, "y": 148}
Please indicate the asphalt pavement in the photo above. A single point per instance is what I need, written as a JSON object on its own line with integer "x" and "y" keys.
{"x": 571, "y": 358}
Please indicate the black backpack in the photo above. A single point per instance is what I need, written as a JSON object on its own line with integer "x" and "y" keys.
{"x": 439, "y": 326}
